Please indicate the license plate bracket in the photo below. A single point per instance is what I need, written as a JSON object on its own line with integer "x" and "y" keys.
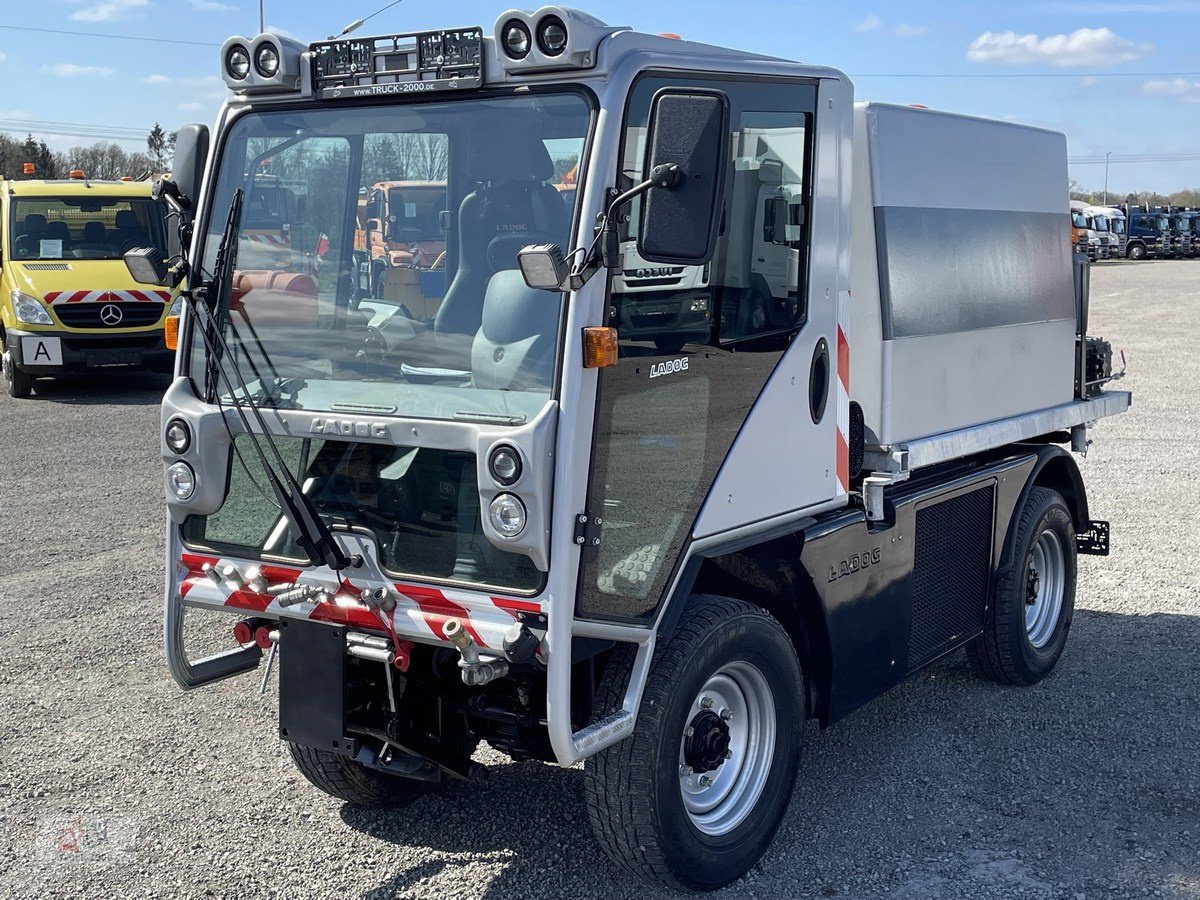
{"x": 312, "y": 684}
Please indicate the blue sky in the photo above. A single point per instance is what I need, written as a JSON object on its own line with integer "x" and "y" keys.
{"x": 1126, "y": 73}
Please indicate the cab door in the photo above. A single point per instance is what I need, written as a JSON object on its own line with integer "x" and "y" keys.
{"x": 692, "y": 377}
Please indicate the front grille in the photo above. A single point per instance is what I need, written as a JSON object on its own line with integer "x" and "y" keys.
{"x": 951, "y": 572}
{"x": 88, "y": 315}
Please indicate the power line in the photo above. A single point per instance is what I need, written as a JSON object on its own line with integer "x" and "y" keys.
{"x": 113, "y": 37}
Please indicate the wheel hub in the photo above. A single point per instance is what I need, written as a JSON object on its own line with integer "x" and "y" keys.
{"x": 1032, "y": 586}
{"x": 705, "y": 749}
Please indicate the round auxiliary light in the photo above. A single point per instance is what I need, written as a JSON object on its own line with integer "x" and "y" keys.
{"x": 178, "y": 435}
{"x": 266, "y": 61}
{"x": 516, "y": 39}
{"x": 508, "y": 515}
{"x": 552, "y": 36}
{"x": 505, "y": 465}
{"x": 181, "y": 480}
{"x": 237, "y": 62}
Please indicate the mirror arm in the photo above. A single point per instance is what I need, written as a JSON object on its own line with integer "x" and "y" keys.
{"x": 663, "y": 177}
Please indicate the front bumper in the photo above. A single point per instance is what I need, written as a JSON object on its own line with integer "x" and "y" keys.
{"x": 41, "y": 353}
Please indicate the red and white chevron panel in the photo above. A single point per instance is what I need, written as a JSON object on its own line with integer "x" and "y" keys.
{"x": 843, "y": 393}
{"x": 421, "y": 612}
{"x": 58, "y": 297}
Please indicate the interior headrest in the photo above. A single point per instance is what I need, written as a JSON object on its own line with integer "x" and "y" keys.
{"x": 513, "y": 311}
{"x": 515, "y": 159}
{"x": 94, "y": 231}
{"x": 35, "y": 222}
{"x": 59, "y": 230}
{"x": 127, "y": 220}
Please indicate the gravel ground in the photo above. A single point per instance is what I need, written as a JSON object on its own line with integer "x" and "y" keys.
{"x": 1085, "y": 786}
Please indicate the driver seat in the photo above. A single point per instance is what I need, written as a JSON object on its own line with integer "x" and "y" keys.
{"x": 514, "y": 206}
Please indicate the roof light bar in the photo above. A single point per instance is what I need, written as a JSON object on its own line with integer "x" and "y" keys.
{"x": 422, "y": 62}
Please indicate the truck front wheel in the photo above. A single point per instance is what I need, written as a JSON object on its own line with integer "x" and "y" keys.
{"x": 353, "y": 782}
{"x": 1136, "y": 251}
{"x": 1027, "y": 624}
{"x": 693, "y": 798}
{"x": 18, "y": 384}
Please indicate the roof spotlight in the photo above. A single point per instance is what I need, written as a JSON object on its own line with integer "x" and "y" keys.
{"x": 266, "y": 60}
{"x": 516, "y": 38}
{"x": 552, "y": 36}
{"x": 237, "y": 62}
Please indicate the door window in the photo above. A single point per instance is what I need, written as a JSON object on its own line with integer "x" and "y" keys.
{"x": 696, "y": 343}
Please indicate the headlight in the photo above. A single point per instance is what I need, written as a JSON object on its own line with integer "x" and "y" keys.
{"x": 508, "y": 515}
{"x": 700, "y": 304}
{"x": 178, "y": 435}
{"x": 237, "y": 62}
{"x": 505, "y": 465}
{"x": 552, "y": 36}
{"x": 181, "y": 480}
{"x": 29, "y": 310}
{"x": 517, "y": 42}
{"x": 266, "y": 61}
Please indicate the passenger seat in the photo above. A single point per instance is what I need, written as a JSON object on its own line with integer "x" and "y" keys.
{"x": 514, "y": 347}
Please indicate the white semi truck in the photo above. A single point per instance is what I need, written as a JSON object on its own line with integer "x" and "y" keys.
{"x": 515, "y": 522}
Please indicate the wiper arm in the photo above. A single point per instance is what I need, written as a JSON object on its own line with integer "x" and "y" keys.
{"x": 308, "y": 528}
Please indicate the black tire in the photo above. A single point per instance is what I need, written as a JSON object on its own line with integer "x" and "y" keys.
{"x": 353, "y": 782}
{"x": 633, "y": 789}
{"x": 1004, "y": 653}
{"x": 1136, "y": 251}
{"x": 18, "y": 384}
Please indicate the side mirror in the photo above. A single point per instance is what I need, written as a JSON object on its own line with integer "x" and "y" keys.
{"x": 146, "y": 266}
{"x": 187, "y": 172}
{"x": 689, "y": 129}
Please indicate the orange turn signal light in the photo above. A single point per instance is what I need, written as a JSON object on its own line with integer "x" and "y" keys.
{"x": 171, "y": 332}
{"x": 599, "y": 347}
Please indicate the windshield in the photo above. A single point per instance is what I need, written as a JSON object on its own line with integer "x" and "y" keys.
{"x": 1079, "y": 220}
{"x": 1163, "y": 225}
{"x": 88, "y": 227}
{"x": 376, "y": 264}
{"x": 1118, "y": 226}
{"x": 1101, "y": 223}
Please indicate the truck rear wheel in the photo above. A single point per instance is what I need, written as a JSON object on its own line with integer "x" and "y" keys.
{"x": 1027, "y": 624}
{"x": 693, "y": 798}
{"x": 353, "y": 782}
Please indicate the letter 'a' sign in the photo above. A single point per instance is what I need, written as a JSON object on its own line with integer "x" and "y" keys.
{"x": 41, "y": 351}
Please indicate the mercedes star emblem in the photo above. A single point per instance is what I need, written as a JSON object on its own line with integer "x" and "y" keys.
{"x": 111, "y": 314}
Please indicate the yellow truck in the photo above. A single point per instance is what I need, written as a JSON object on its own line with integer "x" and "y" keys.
{"x": 67, "y": 301}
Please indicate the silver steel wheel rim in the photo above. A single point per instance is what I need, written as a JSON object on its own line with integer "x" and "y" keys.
{"x": 1045, "y": 589}
{"x": 736, "y": 784}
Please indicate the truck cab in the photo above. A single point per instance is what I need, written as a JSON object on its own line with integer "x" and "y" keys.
{"x": 70, "y": 305}
{"x": 1118, "y": 228}
{"x": 1083, "y": 225}
{"x": 531, "y": 519}
{"x": 1149, "y": 234}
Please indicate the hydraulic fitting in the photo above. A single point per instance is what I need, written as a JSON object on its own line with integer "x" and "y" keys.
{"x": 475, "y": 670}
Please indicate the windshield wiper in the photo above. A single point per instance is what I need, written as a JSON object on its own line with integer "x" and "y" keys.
{"x": 308, "y": 528}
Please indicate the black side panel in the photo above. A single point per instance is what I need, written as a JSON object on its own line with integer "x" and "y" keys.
{"x": 951, "y": 572}
{"x": 312, "y": 683}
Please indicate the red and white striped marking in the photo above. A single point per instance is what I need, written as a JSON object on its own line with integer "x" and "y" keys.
{"x": 421, "y": 612}
{"x": 843, "y": 393}
{"x": 279, "y": 240}
{"x": 58, "y": 297}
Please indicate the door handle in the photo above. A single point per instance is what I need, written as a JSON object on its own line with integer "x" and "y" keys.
{"x": 818, "y": 382}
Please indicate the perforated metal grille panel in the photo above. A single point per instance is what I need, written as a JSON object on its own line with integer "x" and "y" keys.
{"x": 951, "y": 572}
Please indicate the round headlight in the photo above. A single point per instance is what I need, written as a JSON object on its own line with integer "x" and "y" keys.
{"x": 181, "y": 480}
{"x": 505, "y": 465}
{"x": 516, "y": 39}
{"x": 179, "y": 436}
{"x": 552, "y": 36}
{"x": 237, "y": 62}
{"x": 266, "y": 60}
{"x": 508, "y": 515}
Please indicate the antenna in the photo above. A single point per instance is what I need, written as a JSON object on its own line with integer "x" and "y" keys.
{"x": 262, "y": 17}
{"x": 358, "y": 23}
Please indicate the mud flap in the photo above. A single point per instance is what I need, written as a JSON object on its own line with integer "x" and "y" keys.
{"x": 312, "y": 685}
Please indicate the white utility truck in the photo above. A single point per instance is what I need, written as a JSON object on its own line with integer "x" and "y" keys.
{"x": 511, "y": 521}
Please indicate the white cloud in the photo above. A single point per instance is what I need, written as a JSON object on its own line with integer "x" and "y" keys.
{"x": 870, "y": 23}
{"x": 191, "y": 106}
{"x": 903, "y": 30}
{"x": 1088, "y": 81}
{"x": 1085, "y": 47}
{"x": 1179, "y": 88}
{"x": 3, "y": 57}
{"x": 909, "y": 31}
{"x": 107, "y": 10}
{"x": 212, "y": 6}
{"x": 71, "y": 70}
{"x": 1109, "y": 7}
{"x": 283, "y": 32}
{"x": 155, "y": 79}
